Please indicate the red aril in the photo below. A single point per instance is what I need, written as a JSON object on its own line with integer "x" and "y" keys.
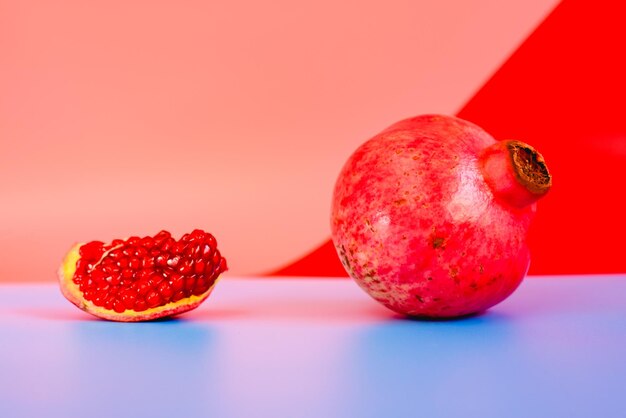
{"x": 140, "y": 279}
{"x": 430, "y": 216}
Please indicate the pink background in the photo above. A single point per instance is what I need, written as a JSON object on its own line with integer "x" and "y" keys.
{"x": 123, "y": 118}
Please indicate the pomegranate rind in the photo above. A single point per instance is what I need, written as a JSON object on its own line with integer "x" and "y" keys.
{"x": 71, "y": 291}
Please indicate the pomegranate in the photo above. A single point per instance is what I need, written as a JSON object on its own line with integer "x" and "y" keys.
{"x": 430, "y": 216}
{"x": 139, "y": 279}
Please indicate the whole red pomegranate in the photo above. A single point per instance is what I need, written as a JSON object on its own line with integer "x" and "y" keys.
{"x": 430, "y": 216}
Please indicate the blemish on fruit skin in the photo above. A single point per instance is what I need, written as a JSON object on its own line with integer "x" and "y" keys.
{"x": 453, "y": 273}
{"x": 438, "y": 242}
{"x": 343, "y": 256}
{"x": 400, "y": 202}
{"x": 494, "y": 279}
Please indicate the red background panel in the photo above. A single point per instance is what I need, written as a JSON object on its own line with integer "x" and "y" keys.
{"x": 563, "y": 91}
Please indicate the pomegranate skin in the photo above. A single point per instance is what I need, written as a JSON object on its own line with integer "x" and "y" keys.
{"x": 429, "y": 223}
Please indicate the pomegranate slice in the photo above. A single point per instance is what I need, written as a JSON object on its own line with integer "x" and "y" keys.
{"x": 140, "y": 279}
{"x": 430, "y": 216}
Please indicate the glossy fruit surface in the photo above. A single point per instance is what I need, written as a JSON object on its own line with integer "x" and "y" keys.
{"x": 140, "y": 279}
{"x": 431, "y": 215}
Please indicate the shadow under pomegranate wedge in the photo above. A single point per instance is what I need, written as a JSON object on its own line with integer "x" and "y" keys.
{"x": 140, "y": 279}
{"x": 430, "y": 216}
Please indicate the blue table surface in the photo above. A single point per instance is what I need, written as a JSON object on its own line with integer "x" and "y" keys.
{"x": 319, "y": 348}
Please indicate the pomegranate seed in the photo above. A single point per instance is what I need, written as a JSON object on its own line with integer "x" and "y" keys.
{"x": 147, "y": 242}
{"x": 208, "y": 270}
{"x": 161, "y": 237}
{"x": 133, "y": 241}
{"x": 115, "y": 254}
{"x": 110, "y": 269}
{"x": 148, "y": 262}
{"x": 161, "y": 260}
{"x": 97, "y": 276}
{"x": 165, "y": 291}
{"x": 216, "y": 257}
{"x": 177, "y": 282}
{"x": 134, "y": 263}
{"x": 145, "y": 274}
{"x": 185, "y": 266}
{"x": 173, "y": 262}
{"x": 143, "y": 287}
{"x": 114, "y": 279}
{"x": 199, "y": 266}
{"x": 108, "y": 304}
{"x": 127, "y": 273}
{"x": 118, "y": 306}
{"x": 107, "y": 261}
{"x": 140, "y": 252}
{"x": 190, "y": 283}
{"x": 78, "y": 278}
{"x": 155, "y": 279}
{"x": 117, "y": 242}
{"x": 91, "y": 251}
{"x": 166, "y": 247}
{"x": 222, "y": 267}
{"x": 83, "y": 265}
{"x": 198, "y": 235}
{"x": 99, "y": 300}
{"x": 140, "y": 306}
{"x": 210, "y": 240}
{"x": 207, "y": 252}
{"x": 129, "y": 299}
{"x": 178, "y": 248}
{"x": 202, "y": 285}
{"x": 153, "y": 299}
{"x": 104, "y": 288}
{"x": 178, "y": 296}
{"x": 188, "y": 253}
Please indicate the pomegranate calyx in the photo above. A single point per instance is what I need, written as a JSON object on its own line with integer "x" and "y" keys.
{"x": 515, "y": 172}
